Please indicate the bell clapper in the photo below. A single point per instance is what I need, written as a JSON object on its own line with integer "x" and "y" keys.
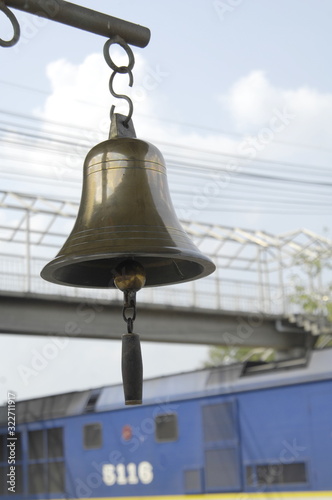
{"x": 130, "y": 278}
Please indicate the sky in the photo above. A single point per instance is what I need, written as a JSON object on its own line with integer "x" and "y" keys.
{"x": 242, "y": 87}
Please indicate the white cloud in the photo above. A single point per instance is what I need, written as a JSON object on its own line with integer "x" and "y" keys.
{"x": 250, "y": 101}
{"x": 253, "y": 100}
{"x": 81, "y": 97}
{"x": 79, "y": 92}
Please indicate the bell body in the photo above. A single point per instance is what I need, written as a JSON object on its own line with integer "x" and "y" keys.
{"x": 126, "y": 213}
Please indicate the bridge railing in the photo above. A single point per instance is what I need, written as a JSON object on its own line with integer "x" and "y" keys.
{"x": 253, "y": 275}
{"x": 20, "y": 274}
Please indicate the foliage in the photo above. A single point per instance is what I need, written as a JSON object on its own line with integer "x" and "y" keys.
{"x": 222, "y": 355}
{"x": 314, "y": 298}
{"x": 310, "y": 294}
{"x": 313, "y": 302}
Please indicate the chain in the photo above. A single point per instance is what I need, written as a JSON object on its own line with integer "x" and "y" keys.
{"x": 15, "y": 25}
{"x": 129, "y": 309}
{"x": 122, "y": 70}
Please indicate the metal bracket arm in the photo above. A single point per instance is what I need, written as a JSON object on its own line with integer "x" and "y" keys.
{"x": 84, "y": 19}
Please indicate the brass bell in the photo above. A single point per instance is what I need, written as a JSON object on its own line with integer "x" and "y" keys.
{"x": 126, "y": 234}
{"x": 126, "y": 213}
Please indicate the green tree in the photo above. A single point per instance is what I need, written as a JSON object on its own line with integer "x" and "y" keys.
{"x": 313, "y": 297}
{"x": 225, "y": 355}
{"x": 310, "y": 293}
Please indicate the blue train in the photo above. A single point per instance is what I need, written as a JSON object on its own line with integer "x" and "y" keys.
{"x": 244, "y": 431}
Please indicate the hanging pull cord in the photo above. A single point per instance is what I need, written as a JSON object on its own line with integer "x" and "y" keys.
{"x": 15, "y": 25}
{"x": 131, "y": 365}
{"x": 122, "y": 70}
{"x": 129, "y": 309}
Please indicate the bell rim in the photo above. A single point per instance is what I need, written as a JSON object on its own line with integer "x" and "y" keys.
{"x": 207, "y": 266}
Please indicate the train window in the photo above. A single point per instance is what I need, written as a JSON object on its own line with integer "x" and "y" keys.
{"x": 45, "y": 474}
{"x": 92, "y": 436}
{"x": 3, "y": 480}
{"x": 221, "y": 469}
{"x": 219, "y": 422}
{"x": 92, "y": 401}
{"x": 55, "y": 442}
{"x": 56, "y": 477}
{"x": 278, "y": 473}
{"x": 37, "y": 479}
{"x": 294, "y": 473}
{"x": 269, "y": 474}
{"x": 166, "y": 427}
{"x": 193, "y": 481}
{"x": 36, "y": 445}
{"x": 18, "y": 448}
{"x": 3, "y": 443}
{"x": 250, "y": 475}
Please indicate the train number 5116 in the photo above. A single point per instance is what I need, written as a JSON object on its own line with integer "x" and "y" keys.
{"x": 127, "y": 474}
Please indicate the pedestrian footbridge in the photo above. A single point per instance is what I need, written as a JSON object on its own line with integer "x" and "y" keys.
{"x": 256, "y": 297}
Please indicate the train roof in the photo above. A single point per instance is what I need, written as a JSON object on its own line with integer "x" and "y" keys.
{"x": 227, "y": 379}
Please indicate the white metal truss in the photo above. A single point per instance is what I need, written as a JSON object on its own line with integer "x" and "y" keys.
{"x": 255, "y": 269}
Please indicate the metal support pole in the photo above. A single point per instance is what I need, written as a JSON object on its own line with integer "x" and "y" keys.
{"x": 268, "y": 305}
{"x": 218, "y": 286}
{"x": 283, "y": 292}
{"x": 261, "y": 281}
{"x": 28, "y": 253}
{"x": 84, "y": 19}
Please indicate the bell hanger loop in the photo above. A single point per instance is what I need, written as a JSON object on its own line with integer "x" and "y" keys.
{"x": 15, "y": 26}
{"x": 120, "y": 70}
{"x": 118, "y": 129}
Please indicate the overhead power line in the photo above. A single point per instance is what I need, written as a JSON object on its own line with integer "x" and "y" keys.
{"x": 193, "y": 172}
{"x": 257, "y": 161}
{"x": 47, "y": 93}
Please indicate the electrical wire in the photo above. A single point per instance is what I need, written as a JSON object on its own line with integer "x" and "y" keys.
{"x": 257, "y": 176}
{"x": 173, "y": 169}
{"x": 232, "y": 204}
{"x": 246, "y": 185}
{"x": 183, "y": 124}
{"x": 233, "y": 156}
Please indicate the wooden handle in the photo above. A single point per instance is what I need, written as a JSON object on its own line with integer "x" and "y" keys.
{"x": 132, "y": 369}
